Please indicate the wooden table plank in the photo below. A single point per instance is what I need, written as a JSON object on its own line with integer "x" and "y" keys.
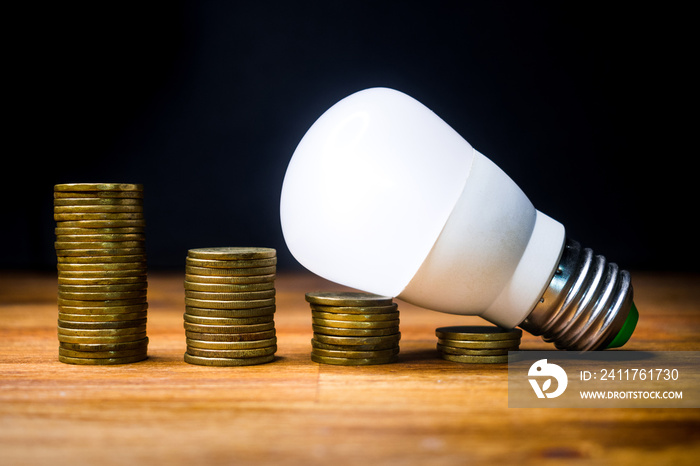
{"x": 422, "y": 410}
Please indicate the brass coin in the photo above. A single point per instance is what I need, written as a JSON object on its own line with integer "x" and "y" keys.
{"x": 102, "y": 354}
{"x": 93, "y": 209}
{"x": 85, "y": 245}
{"x": 102, "y": 361}
{"x": 367, "y": 310}
{"x": 356, "y": 317}
{"x": 230, "y": 279}
{"x": 231, "y": 345}
{"x": 107, "y": 216}
{"x": 98, "y": 309}
{"x": 463, "y": 358}
{"x": 102, "y": 295}
{"x": 138, "y": 280}
{"x": 230, "y": 296}
{"x": 354, "y": 324}
{"x": 239, "y": 353}
{"x": 204, "y": 361}
{"x": 228, "y": 320}
{"x": 87, "y": 347}
{"x": 88, "y": 255}
{"x": 79, "y": 187}
{"x": 477, "y": 332}
{"x": 102, "y": 238}
{"x": 228, "y": 287}
{"x": 230, "y": 336}
{"x": 347, "y": 298}
{"x": 101, "y": 324}
{"x": 230, "y": 304}
{"x": 232, "y": 253}
{"x": 230, "y": 264}
{"x": 241, "y": 272}
{"x": 473, "y": 352}
{"x": 105, "y": 332}
{"x": 356, "y": 340}
{"x": 231, "y": 313}
{"x": 483, "y": 344}
{"x": 353, "y": 361}
{"x": 360, "y": 332}
{"x": 249, "y": 328}
{"x": 100, "y": 223}
{"x": 99, "y": 195}
{"x": 97, "y": 201}
{"x": 74, "y": 231}
{"x": 100, "y": 303}
{"x": 101, "y": 339}
{"x": 108, "y": 273}
{"x": 102, "y": 259}
{"x": 102, "y": 318}
{"x": 355, "y": 354}
{"x": 112, "y": 287}
{"x": 374, "y": 347}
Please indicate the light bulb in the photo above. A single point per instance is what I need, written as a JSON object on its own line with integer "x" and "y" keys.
{"x": 383, "y": 196}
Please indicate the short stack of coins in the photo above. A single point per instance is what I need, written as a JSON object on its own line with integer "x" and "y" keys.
{"x": 353, "y": 328}
{"x": 230, "y": 306}
{"x": 477, "y": 344}
{"x": 102, "y": 282}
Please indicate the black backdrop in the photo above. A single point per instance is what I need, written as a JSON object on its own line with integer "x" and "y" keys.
{"x": 585, "y": 107}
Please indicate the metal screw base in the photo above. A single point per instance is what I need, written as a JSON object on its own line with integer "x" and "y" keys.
{"x": 585, "y": 304}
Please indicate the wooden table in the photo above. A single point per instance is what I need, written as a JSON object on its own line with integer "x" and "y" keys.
{"x": 422, "y": 410}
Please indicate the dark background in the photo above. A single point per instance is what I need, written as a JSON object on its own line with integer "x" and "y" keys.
{"x": 586, "y": 107}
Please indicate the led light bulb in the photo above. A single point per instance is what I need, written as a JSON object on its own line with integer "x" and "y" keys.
{"x": 383, "y": 196}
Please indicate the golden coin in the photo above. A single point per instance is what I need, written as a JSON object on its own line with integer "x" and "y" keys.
{"x": 353, "y": 361}
{"x": 102, "y": 295}
{"x": 62, "y": 287}
{"x": 119, "y": 272}
{"x": 230, "y": 279}
{"x": 474, "y": 352}
{"x": 102, "y": 354}
{"x": 355, "y": 324}
{"x": 96, "y": 308}
{"x": 231, "y": 313}
{"x": 74, "y": 231}
{"x": 103, "y": 318}
{"x": 79, "y": 187}
{"x": 231, "y": 345}
{"x": 356, "y": 340}
{"x": 245, "y": 304}
{"x": 230, "y": 336}
{"x": 347, "y": 298}
{"x": 62, "y": 303}
{"x": 360, "y": 332}
{"x": 228, "y": 287}
{"x": 373, "y": 347}
{"x": 101, "y": 324}
{"x": 103, "y": 238}
{"x": 350, "y": 354}
{"x": 81, "y": 210}
{"x": 228, "y": 320}
{"x": 477, "y": 332}
{"x": 238, "y": 353}
{"x": 99, "y": 195}
{"x": 204, "y": 361}
{"x": 355, "y": 317}
{"x": 237, "y": 272}
{"x": 355, "y": 309}
{"x": 230, "y": 264}
{"x": 249, "y": 328}
{"x": 84, "y": 245}
{"x": 96, "y": 201}
{"x": 105, "y": 332}
{"x": 483, "y": 344}
{"x": 98, "y": 216}
{"x": 463, "y": 358}
{"x": 102, "y": 361}
{"x": 113, "y": 256}
{"x": 101, "y": 339}
{"x": 230, "y": 296}
{"x": 232, "y": 253}
{"x": 87, "y": 347}
{"x": 139, "y": 280}
{"x": 100, "y": 223}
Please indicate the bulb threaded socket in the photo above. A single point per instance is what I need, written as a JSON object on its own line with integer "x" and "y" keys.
{"x": 586, "y": 303}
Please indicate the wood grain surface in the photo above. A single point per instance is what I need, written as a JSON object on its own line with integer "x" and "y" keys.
{"x": 421, "y": 410}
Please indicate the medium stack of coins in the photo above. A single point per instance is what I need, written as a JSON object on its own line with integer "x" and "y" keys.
{"x": 353, "y": 329}
{"x": 230, "y": 306}
{"x": 477, "y": 344}
{"x": 102, "y": 284}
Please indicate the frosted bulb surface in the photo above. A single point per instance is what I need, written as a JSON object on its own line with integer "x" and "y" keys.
{"x": 370, "y": 187}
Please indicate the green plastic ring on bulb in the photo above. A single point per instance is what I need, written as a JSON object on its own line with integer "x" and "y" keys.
{"x": 627, "y": 329}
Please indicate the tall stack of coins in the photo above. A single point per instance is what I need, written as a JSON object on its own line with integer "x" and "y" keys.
{"x": 353, "y": 329}
{"x": 102, "y": 284}
{"x": 230, "y": 306}
{"x": 477, "y": 344}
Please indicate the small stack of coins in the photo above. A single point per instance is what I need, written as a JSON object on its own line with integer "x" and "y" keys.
{"x": 102, "y": 282}
{"x": 353, "y": 329}
{"x": 477, "y": 344}
{"x": 230, "y": 306}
